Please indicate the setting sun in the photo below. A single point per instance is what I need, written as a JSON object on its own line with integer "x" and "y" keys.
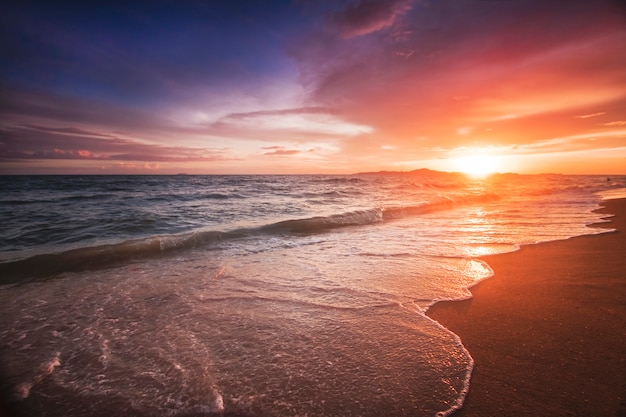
{"x": 476, "y": 165}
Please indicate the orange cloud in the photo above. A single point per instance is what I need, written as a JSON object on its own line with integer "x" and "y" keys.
{"x": 586, "y": 116}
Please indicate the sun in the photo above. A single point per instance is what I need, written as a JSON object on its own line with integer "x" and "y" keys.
{"x": 476, "y": 165}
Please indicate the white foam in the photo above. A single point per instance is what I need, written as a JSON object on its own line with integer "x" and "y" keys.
{"x": 22, "y": 390}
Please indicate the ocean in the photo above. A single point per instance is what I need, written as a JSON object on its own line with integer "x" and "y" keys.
{"x": 257, "y": 295}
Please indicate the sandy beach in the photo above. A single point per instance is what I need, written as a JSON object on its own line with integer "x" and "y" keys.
{"x": 548, "y": 331}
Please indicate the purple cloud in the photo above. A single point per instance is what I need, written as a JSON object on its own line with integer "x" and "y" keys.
{"x": 41, "y": 142}
{"x": 28, "y": 104}
{"x": 368, "y": 16}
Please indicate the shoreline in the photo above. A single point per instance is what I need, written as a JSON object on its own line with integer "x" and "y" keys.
{"x": 547, "y": 331}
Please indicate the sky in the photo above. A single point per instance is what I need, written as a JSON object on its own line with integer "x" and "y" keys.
{"x": 312, "y": 86}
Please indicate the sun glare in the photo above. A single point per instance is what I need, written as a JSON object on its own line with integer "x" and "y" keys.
{"x": 476, "y": 165}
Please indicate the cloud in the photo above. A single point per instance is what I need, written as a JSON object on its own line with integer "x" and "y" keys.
{"x": 587, "y": 116}
{"x": 368, "y": 16}
{"x": 281, "y": 112}
{"x": 41, "y": 142}
{"x": 350, "y": 80}
{"x": 70, "y": 131}
{"x": 280, "y": 151}
{"x": 27, "y": 105}
{"x": 579, "y": 142}
{"x": 305, "y": 120}
{"x": 472, "y": 64}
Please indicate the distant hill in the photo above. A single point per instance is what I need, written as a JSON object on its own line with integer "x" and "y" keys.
{"x": 420, "y": 172}
{"x": 425, "y": 172}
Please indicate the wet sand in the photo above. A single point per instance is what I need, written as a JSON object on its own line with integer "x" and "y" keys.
{"x": 548, "y": 331}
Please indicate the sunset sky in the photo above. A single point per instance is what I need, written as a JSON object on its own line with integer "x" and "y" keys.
{"x": 312, "y": 86}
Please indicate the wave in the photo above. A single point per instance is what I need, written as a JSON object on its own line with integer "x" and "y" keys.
{"x": 340, "y": 180}
{"x": 220, "y": 196}
{"x": 440, "y": 204}
{"x": 96, "y": 257}
{"x": 321, "y": 223}
{"x": 330, "y": 194}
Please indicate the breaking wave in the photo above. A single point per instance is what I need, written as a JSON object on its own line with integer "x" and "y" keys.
{"x": 95, "y": 257}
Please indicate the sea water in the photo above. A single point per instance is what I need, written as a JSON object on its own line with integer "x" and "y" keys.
{"x": 256, "y": 295}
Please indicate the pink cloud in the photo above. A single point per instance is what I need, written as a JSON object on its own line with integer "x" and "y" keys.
{"x": 280, "y": 151}
{"x": 443, "y": 68}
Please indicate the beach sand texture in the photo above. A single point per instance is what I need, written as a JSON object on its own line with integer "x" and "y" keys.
{"x": 548, "y": 331}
